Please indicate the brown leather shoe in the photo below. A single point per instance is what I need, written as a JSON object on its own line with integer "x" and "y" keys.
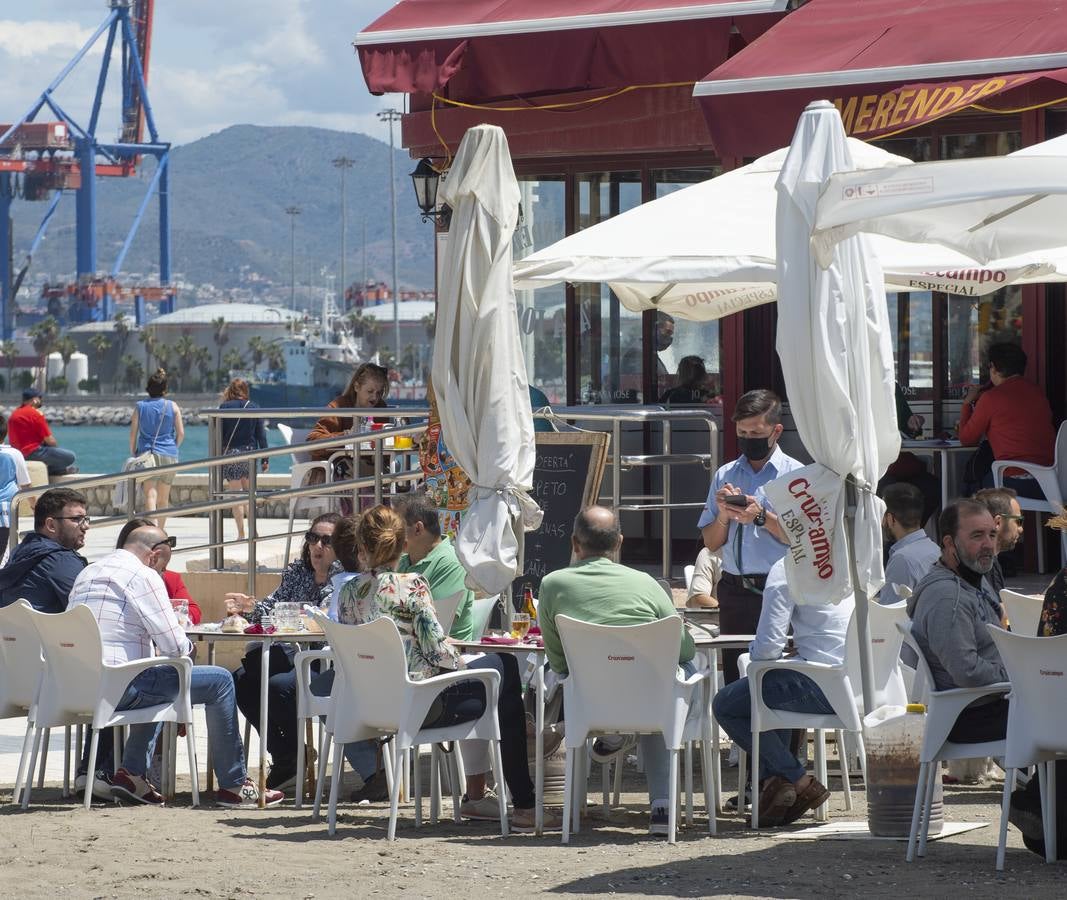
{"x": 810, "y": 794}
{"x": 776, "y": 798}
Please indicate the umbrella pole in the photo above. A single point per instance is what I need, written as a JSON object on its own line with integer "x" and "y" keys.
{"x": 863, "y": 627}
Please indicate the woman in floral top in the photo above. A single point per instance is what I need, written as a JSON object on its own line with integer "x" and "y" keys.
{"x": 405, "y": 598}
{"x": 306, "y": 581}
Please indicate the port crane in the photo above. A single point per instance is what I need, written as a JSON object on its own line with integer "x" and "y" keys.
{"x": 42, "y": 161}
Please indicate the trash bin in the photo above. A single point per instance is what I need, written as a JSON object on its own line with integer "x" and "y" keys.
{"x": 893, "y": 736}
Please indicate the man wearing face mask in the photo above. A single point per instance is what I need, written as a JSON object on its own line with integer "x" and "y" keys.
{"x": 737, "y": 519}
{"x": 950, "y": 610}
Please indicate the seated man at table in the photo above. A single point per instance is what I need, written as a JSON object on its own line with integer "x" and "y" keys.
{"x": 786, "y": 790}
{"x": 595, "y": 589}
{"x": 127, "y": 597}
{"x": 1014, "y": 417}
{"x": 912, "y": 552}
{"x": 950, "y": 610}
{"x": 707, "y": 573}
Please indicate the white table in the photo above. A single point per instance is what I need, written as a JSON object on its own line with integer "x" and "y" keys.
{"x": 941, "y": 450}
{"x": 265, "y": 641}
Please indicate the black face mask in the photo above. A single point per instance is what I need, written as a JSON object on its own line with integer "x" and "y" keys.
{"x": 756, "y": 449}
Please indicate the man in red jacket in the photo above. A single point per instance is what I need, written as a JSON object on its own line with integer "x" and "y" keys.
{"x": 1014, "y": 417}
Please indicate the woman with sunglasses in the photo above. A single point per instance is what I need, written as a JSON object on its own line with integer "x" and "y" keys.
{"x": 306, "y": 581}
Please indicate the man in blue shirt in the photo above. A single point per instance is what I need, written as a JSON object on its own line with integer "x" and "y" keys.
{"x": 819, "y": 630}
{"x": 736, "y": 516}
{"x": 912, "y": 553}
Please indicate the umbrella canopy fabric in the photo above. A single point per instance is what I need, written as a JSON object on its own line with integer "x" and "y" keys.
{"x": 837, "y": 362}
{"x": 709, "y": 250}
{"x": 478, "y": 370}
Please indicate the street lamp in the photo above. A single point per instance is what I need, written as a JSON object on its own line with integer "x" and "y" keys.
{"x": 343, "y": 163}
{"x": 292, "y": 212}
{"x": 426, "y": 180}
{"x": 391, "y": 116}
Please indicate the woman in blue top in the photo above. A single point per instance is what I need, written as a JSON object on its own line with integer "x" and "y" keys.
{"x": 157, "y": 427}
{"x": 240, "y": 436}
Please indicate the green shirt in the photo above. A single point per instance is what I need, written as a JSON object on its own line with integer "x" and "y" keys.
{"x": 443, "y": 570}
{"x": 602, "y": 592}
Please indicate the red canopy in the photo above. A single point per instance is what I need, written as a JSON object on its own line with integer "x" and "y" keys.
{"x": 487, "y": 49}
{"x": 889, "y": 65}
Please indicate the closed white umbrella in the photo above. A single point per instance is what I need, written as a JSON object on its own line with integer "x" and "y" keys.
{"x": 479, "y": 376}
{"x": 837, "y": 361}
{"x": 708, "y": 250}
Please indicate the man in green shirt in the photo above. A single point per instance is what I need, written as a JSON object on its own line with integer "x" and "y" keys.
{"x": 433, "y": 556}
{"x": 595, "y": 589}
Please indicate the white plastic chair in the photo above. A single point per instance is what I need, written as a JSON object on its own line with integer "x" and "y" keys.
{"x": 373, "y": 696}
{"x": 309, "y": 706}
{"x": 666, "y": 585}
{"x": 890, "y": 680}
{"x": 446, "y": 609}
{"x": 1053, "y": 483}
{"x": 1024, "y": 611}
{"x": 943, "y": 708}
{"x": 1036, "y": 669}
{"x": 481, "y": 610}
{"x": 688, "y": 571}
{"x": 301, "y": 467}
{"x": 623, "y": 679}
{"x": 78, "y": 687}
{"x": 836, "y": 685}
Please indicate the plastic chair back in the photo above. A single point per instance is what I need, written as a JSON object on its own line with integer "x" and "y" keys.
{"x": 20, "y": 660}
{"x": 622, "y": 677}
{"x": 481, "y": 611}
{"x": 903, "y": 591}
{"x": 73, "y": 655}
{"x": 924, "y": 679}
{"x": 1024, "y": 612}
{"x": 446, "y": 609}
{"x": 889, "y": 686}
{"x": 286, "y": 432}
{"x": 298, "y": 436}
{"x": 666, "y": 585}
{"x": 689, "y": 570}
{"x": 1037, "y": 670}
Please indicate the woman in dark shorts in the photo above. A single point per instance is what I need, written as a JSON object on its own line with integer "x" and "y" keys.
{"x": 240, "y": 436}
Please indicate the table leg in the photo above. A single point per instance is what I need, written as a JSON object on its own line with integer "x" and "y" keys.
{"x": 539, "y": 745}
{"x": 716, "y": 766}
{"x": 946, "y": 473}
{"x": 264, "y": 675}
{"x": 208, "y": 762}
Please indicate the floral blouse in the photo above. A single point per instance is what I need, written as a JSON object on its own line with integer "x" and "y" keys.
{"x": 404, "y": 598}
{"x": 1053, "y": 622}
{"x": 298, "y": 586}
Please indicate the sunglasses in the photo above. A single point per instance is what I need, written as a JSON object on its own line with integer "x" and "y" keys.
{"x": 171, "y": 542}
{"x": 77, "y": 520}
{"x": 313, "y": 537}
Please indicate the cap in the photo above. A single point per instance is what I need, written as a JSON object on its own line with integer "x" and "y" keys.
{"x": 30, "y": 393}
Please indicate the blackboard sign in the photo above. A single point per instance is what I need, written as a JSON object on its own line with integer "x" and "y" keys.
{"x": 566, "y": 479}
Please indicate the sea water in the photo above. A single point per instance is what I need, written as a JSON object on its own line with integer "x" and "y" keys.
{"x": 102, "y": 449}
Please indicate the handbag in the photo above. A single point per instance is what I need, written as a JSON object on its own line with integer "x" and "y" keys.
{"x": 138, "y": 463}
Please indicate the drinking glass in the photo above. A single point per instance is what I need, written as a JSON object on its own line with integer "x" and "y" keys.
{"x": 520, "y": 624}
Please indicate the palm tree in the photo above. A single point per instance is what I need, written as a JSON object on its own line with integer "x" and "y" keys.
{"x": 65, "y": 347}
{"x": 44, "y": 334}
{"x": 163, "y": 352}
{"x": 100, "y": 344}
{"x": 132, "y": 371}
{"x": 257, "y": 346}
{"x": 148, "y": 340}
{"x": 275, "y": 356}
{"x": 185, "y": 351}
{"x": 221, "y": 339}
{"x": 122, "y": 332}
{"x": 9, "y": 350}
{"x": 201, "y": 358}
{"x": 233, "y": 361}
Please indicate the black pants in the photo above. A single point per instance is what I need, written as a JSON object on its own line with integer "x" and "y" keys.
{"x": 1029, "y": 799}
{"x": 282, "y": 734}
{"x": 978, "y": 724}
{"x": 739, "y": 610}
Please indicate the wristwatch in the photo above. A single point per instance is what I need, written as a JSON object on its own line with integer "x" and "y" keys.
{"x": 761, "y": 518}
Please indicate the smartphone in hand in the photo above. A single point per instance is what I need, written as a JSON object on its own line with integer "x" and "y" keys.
{"x": 739, "y": 500}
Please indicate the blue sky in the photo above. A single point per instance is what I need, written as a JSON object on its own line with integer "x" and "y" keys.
{"x": 214, "y": 63}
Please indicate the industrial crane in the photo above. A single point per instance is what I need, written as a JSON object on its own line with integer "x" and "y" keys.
{"x": 42, "y": 161}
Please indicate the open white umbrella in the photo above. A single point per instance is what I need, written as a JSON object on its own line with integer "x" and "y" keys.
{"x": 708, "y": 250}
{"x": 837, "y": 361}
{"x": 479, "y": 376}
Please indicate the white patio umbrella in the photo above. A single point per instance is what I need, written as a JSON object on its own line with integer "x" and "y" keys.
{"x": 479, "y": 376}
{"x": 708, "y": 250}
{"x": 837, "y": 361}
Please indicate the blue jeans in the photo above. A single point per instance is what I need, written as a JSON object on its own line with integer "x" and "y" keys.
{"x": 782, "y": 689}
{"x": 654, "y": 754}
{"x": 362, "y": 756}
{"x": 210, "y": 685}
{"x": 56, "y": 459}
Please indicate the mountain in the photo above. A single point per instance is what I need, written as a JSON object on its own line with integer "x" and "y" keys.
{"x": 229, "y": 192}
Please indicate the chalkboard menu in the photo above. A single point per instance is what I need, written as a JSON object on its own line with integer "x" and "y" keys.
{"x": 566, "y": 479}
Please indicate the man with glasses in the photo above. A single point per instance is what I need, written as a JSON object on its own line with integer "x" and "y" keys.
{"x": 1006, "y": 512}
{"x": 172, "y": 581}
{"x": 43, "y": 567}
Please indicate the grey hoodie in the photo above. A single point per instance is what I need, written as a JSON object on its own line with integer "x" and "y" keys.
{"x": 949, "y": 619}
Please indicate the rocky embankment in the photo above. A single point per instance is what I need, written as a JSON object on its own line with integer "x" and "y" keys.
{"x": 72, "y": 414}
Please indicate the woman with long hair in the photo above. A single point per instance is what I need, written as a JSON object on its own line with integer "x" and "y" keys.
{"x": 157, "y": 427}
{"x": 240, "y": 436}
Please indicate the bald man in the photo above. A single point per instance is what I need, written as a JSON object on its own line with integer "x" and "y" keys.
{"x": 596, "y": 589}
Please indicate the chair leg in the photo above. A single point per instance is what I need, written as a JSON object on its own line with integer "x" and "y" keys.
{"x": 38, "y": 735}
{"x": 846, "y": 781}
{"x": 335, "y": 787}
{"x": 194, "y": 769}
{"x": 581, "y": 788}
{"x": 755, "y": 783}
{"x": 326, "y": 743}
{"x": 618, "y": 782}
{"x": 1005, "y": 806}
{"x": 689, "y": 784}
{"x": 822, "y": 814}
{"x": 399, "y": 764}
{"x": 21, "y": 776}
{"x": 44, "y": 757}
{"x": 1050, "y": 818}
{"x": 920, "y": 798}
{"x": 387, "y": 765}
{"x": 416, "y": 758}
{"x": 568, "y": 790}
{"x": 498, "y": 761}
{"x": 742, "y": 773}
{"x": 435, "y": 782}
{"x": 672, "y": 813}
{"x": 605, "y": 781}
{"x": 66, "y": 762}
{"x": 456, "y": 783}
{"x": 301, "y": 772}
{"x": 932, "y": 774}
{"x": 707, "y": 764}
{"x": 90, "y": 775}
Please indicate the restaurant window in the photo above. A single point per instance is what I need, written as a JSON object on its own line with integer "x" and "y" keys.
{"x": 687, "y": 338}
{"x": 542, "y": 313}
{"x": 609, "y": 335}
{"x": 973, "y": 324}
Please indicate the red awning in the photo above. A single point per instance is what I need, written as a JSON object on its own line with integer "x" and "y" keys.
{"x": 889, "y": 65}
{"x": 488, "y": 49}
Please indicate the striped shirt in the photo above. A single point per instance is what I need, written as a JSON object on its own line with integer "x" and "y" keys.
{"x": 130, "y": 602}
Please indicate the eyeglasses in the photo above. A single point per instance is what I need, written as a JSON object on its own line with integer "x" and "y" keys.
{"x": 1013, "y": 518}
{"x": 171, "y": 542}
{"x": 80, "y": 521}
{"x": 313, "y": 537}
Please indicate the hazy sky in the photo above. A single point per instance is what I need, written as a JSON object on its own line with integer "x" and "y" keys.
{"x": 214, "y": 63}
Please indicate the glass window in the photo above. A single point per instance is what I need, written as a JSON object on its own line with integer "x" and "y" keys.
{"x": 973, "y": 323}
{"x": 542, "y": 313}
{"x": 917, "y": 149}
{"x": 609, "y": 335}
{"x": 968, "y": 146}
